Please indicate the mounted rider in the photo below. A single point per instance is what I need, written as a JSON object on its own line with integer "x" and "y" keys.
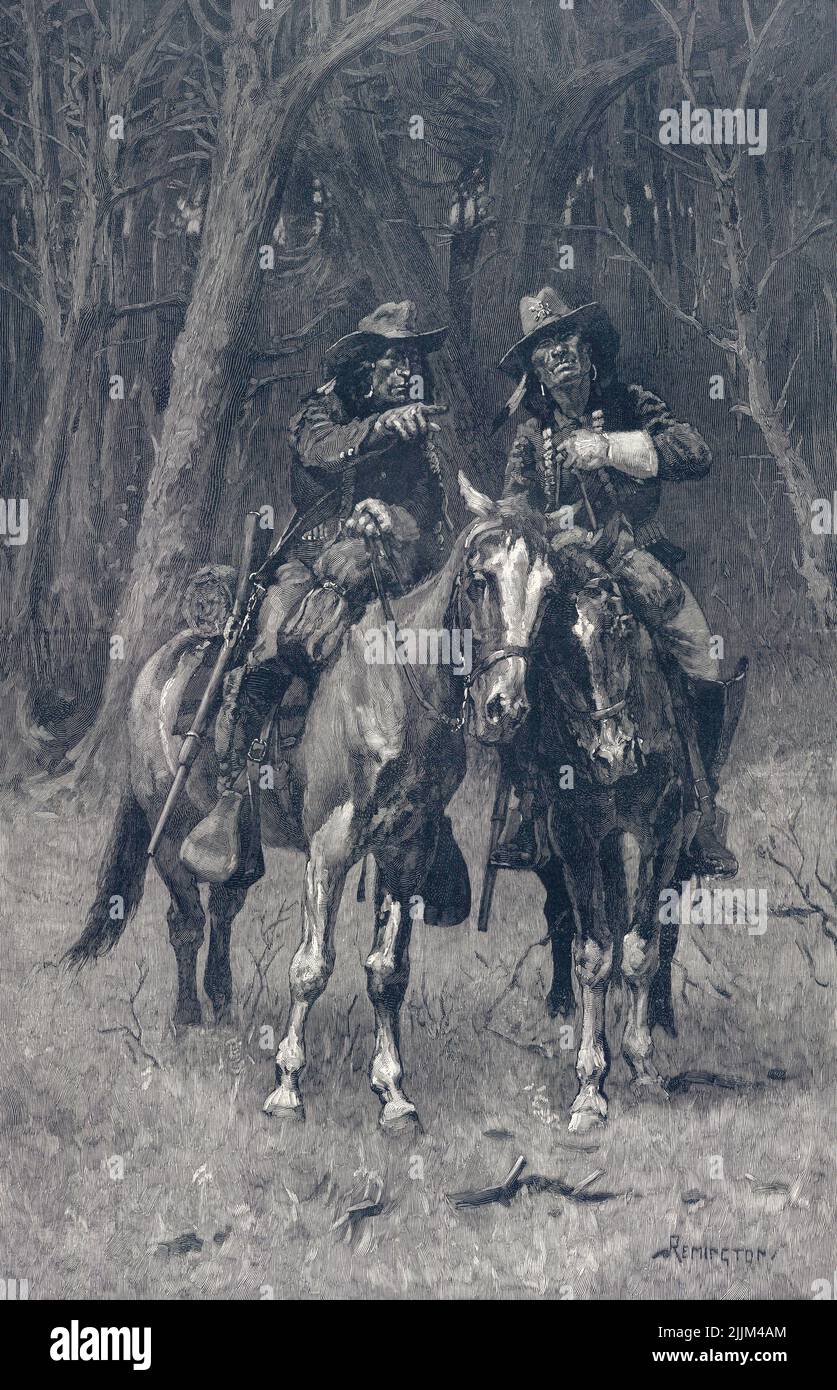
{"x": 364, "y": 466}
{"x": 593, "y": 449}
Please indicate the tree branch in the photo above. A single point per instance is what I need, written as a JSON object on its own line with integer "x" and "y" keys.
{"x": 780, "y": 404}
{"x": 90, "y": 6}
{"x": 755, "y": 52}
{"x": 204, "y": 23}
{"x": 45, "y": 134}
{"x": 121, "y": 311}
{"x": 23, "y": 298}
{"x": 726, "y": 344}
{"x": 137, "y": 63}
{"x": 683, "y": 50}
{"x": 479, "y": 46}
{"x": 14, "y": 159}
{"x": 193, "y": 157}
{"x": 669, "y": 153}
{"x": 797, "y": 245}
{"x": 347, "y": 41}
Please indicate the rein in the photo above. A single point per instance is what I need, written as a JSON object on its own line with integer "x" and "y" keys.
{"x": 594, "y": 714}
{"x": 457, "y": 723}
{"x": 454, "y": 723}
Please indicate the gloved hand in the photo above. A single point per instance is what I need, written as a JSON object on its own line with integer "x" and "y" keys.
{"x": 586, "y": 450}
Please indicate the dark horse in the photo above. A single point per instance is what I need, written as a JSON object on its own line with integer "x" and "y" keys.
{"x": 611, "y": 776}
{"x": 372, "y": 774}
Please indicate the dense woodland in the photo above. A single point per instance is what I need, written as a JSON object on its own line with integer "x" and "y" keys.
{"x": 198, "y": 196}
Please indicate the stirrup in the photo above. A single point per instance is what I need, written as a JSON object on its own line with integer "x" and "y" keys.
{"x": 525, "y": 850}
{"x": 706, "y": 854}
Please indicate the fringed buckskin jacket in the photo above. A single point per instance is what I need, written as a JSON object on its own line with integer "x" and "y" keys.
{"x": 332, "y": 451}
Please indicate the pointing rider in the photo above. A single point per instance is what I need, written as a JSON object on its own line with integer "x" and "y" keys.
{"x": 364, "y": 465}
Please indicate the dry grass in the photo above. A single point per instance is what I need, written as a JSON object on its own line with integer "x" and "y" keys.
{"x": 270, "y": 1202}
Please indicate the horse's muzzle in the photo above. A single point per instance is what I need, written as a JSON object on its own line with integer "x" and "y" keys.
{"x": 500, "y": 711}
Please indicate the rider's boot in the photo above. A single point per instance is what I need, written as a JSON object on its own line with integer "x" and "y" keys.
{"x": 225, "y": 847}
{"x": 714, "y": 707}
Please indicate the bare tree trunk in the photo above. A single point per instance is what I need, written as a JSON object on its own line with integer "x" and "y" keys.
{"x": 747, "y": 293}
{"x": 52, "y": 603}
{"x": 38, "y": 618}
{"x": 799, "y": 480}
{"x": 800, "y": 485}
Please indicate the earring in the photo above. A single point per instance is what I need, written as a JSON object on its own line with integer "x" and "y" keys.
{"x": 594, "y": 371}
{"x": 367, "y": 395}
{"x": 543, "y": 390}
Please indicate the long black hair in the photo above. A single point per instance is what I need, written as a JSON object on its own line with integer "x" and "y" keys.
{"x": 538, "y": 402}
{"x": 353, "y": 379}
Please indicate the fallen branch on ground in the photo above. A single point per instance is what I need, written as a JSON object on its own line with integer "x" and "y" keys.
{"x": 514, "y": 1182}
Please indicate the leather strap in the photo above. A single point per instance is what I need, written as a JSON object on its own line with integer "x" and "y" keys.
{"x": 255, "y": 757}
{"x": 454, "y": 724}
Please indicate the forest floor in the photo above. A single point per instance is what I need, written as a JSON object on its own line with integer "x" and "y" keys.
{"x": 110, "y": 1151}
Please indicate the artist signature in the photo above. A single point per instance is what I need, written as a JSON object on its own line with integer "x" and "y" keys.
{"x": 684, "y": 1253}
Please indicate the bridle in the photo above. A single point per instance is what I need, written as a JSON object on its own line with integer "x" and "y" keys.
{"x": 596, "y": 715}
{"x": 455, "y": 723}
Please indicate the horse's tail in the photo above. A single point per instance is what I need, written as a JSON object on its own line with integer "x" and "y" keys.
{"x": 119, "y": 885}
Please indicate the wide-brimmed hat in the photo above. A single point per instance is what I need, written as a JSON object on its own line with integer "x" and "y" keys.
{"x": 388, "y": 323}
{"x": 545, "y": 313}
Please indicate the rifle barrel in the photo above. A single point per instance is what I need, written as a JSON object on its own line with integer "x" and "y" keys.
{"x": 192, "y": 740}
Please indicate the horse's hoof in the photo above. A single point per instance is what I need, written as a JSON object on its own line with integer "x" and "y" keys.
{"x": 649, "y": 1088}
{"x": 662, "y": 1016}
{"x": 282, "y": 1106}
{"x": 586, "y": 1121}
{"x": 562, "y": 1005}
{"x": 399, "y": 1117}
{"x": 187, "y": 1016}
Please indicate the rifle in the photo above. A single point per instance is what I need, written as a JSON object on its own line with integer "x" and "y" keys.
{"x": 498, "y": 820}
{"x": 249, "y": 593}
{"x": 190, "y": 746}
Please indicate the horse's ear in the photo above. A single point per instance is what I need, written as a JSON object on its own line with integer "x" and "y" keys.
{"x": 474, "y": 500}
